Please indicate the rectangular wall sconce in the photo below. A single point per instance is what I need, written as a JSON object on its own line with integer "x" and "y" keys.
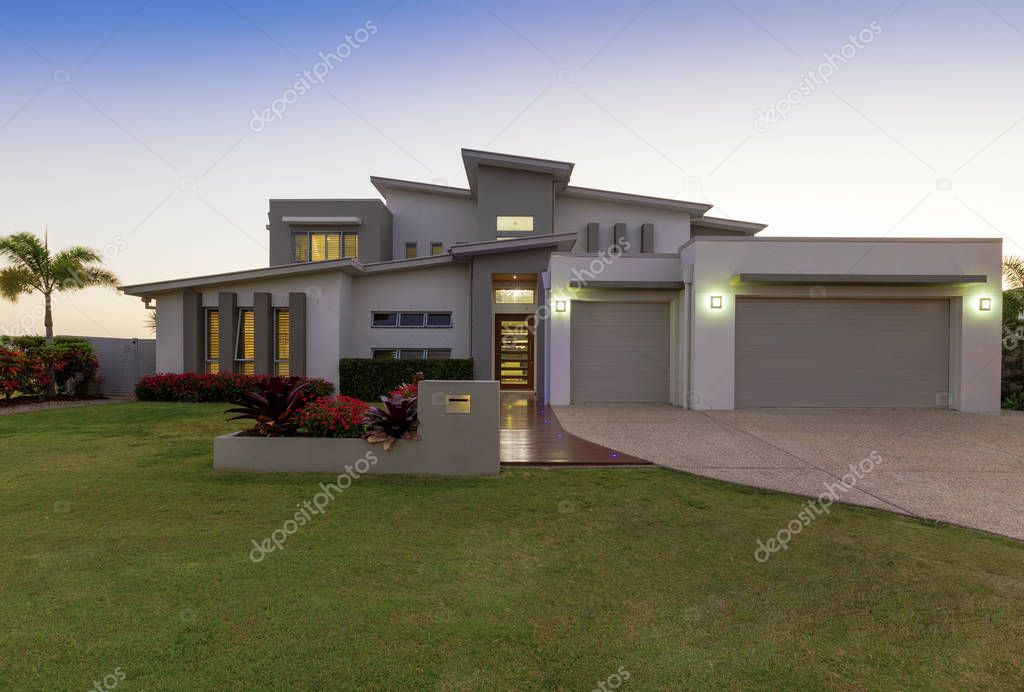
{"x": 559, "y": 306}
{"x": 985, "y": 304}
{"x": 716, "y": 302}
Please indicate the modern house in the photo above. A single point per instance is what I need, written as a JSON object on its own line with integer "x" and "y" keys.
{"x": 585, "y": 295}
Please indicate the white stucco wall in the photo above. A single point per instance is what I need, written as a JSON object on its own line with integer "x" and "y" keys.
{"x": 671, "y": 228}
{"x": 438, "y": 289}
{"x": 426, "y": 218}
{"x": 169, "y": 353}
{"x": 975, "y": 351}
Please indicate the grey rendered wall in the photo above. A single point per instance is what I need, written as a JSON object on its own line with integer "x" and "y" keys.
{"x": 505, "y": 192}
{"x": 424, "y": 218}
{"x": 122, "y": 363}
{"x": 375, "y": 232}
{"x": 670, "y": 229}
{"x": 437, "y": 289}
{"x": 452, "y": 444}
{"x": 526, "y": 262}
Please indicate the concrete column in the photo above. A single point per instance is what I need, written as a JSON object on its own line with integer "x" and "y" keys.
{"x": 228, "y": 307}
{"x": 263, "y": 331}
{"x": 193, "y": 332}
{"x": 297, "y": 342}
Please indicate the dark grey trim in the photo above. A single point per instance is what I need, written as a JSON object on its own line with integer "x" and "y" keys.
{"x": 263, "y": 334}
{"x": 619, "y": 234}
{"x": 593, "y": 236}
{"x": 297, "y": 337}
{"x": 647, "y": 238}
{"x": 193, "y": 332}
{"x": 860, "y": 279}
{"x": 649, "y": 285}
{"x": 227, "y": 303}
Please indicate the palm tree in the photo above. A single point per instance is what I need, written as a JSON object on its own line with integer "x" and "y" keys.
{"x": 1013, "y": 292}
{"x": 32, "y": 269}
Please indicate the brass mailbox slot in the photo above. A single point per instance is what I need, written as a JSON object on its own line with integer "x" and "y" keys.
{"x": 456, "y": 403}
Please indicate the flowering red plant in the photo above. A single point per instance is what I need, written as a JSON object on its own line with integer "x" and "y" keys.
{"x": 223, "y": 386}
{"x": 339, "y": 416}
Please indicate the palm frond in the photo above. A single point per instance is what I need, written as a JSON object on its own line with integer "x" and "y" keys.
{"x": 16, "y": 282}
{"x": 1013, "y": 272}
{"x": 26, "y": 250}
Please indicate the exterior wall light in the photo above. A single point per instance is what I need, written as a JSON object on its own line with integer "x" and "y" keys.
{"x": 716, "y": 302}
{"x": 985, "y": 304}
{"x": 559, "y": 306}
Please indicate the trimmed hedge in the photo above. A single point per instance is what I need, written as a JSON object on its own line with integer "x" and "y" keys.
{"x": 222, "y": 386}
{"x": 371, "y": 378}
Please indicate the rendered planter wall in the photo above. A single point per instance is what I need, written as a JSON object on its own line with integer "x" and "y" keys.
{"x": 453, "y": 444}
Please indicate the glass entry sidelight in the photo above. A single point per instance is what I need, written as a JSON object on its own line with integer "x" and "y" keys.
{"x": 513, "y": 352}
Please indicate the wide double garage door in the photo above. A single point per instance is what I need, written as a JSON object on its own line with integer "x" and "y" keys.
{"x": 620, "y": 352}
{"x": 835, "y": 353}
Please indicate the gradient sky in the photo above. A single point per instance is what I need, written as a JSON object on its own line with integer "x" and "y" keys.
{"x": 143, "y": 145}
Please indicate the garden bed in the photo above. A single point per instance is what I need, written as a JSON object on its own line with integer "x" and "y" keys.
{"x": 452, "y": 444}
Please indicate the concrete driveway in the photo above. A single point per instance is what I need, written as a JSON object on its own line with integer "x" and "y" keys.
{"x": 956, "y": 467}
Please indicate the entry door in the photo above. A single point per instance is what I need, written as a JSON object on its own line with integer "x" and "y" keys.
{"x": 513, "y": 352}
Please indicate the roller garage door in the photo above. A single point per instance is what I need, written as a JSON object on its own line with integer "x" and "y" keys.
{"x": 620, "y": 352}
{"x": 834, "y": 353}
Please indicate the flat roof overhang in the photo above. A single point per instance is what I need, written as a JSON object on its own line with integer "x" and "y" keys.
{"x": 858, "y": 279}
{"x": 644, "y": 285}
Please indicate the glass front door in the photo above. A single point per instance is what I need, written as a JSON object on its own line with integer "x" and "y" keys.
{"x": 513, "y": 352}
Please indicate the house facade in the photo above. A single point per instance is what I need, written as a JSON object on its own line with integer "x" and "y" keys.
{"x": 585, "y": 295}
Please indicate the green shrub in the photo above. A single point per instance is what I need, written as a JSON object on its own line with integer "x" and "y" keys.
{"x": 70, "y": 361}
{"x": 223, "y": 386}
{"x": 370, "y": 378}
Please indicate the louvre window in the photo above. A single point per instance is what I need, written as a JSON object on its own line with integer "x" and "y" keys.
{"x": 320, "y": 247}
{"x": 436, "y": 249}
{"x": 411, "y": 353}
{"x": 410, "y": 250}
{"x": 212, "y": 341}
{"x": 245, "y": 342}
{"x": 282, "y": 336}
{"x": 412, "y": 319}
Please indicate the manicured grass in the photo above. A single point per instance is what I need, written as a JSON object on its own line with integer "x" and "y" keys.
{"x": 123, "y": 549}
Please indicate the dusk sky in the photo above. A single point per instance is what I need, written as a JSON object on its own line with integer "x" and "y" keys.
{"x": 129, "y": 126}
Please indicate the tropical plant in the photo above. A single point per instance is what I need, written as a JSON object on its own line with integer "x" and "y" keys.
{"x": 340, "y": 416}
{"x": 1013, "y": 290}
{"x": 398, "y": 420}
{"x": 151, "y": 321}
{"x": 273, "y": 405}
{"x": 33, "y": 269}
{"x": 408, "y": 389}
{"x": 1014, "y": 402}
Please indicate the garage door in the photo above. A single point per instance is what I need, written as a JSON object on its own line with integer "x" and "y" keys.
{"x": 620, "y": 352}
{"x": 842, "y": 352}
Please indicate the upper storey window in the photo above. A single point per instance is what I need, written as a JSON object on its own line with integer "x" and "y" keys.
{"x": 317, "y": 247}
{"x": 515, "y": 223}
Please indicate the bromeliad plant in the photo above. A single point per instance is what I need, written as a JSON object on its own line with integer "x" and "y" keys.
{"x": 273, "y": 404}
{"x": 398, "y": 420}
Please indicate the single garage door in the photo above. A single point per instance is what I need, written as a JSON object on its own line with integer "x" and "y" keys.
{"x": 811, "y": 352}
{"x": 620, "y": 352}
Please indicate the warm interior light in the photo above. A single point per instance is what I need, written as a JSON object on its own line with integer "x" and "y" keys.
{"x": 985, "y": 304}
{"x": 716, "y": 302}
{"x": 559, "y": 306}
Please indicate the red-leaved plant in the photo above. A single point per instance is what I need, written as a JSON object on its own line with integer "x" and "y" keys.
{"x": 340, "y": 416}
{"x": 272, "y": 405}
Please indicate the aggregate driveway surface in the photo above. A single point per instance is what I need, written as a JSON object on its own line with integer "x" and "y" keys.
{"x": 956, "y": 467}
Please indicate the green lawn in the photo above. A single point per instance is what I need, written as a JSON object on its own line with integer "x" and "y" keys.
{"x": 122, "y": 549}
